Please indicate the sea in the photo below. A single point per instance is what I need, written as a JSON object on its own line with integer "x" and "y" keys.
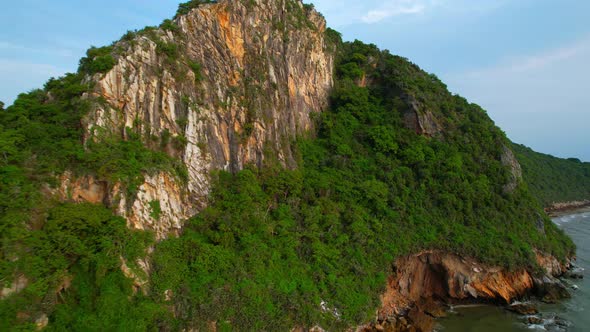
{"x": 571, "y": 315}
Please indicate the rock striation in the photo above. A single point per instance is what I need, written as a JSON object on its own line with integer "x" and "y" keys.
{"x": 230, "y": 81}
{"x": 422, "y": 282}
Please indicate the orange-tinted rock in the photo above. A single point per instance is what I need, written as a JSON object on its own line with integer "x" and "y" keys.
{"x": 523, "y": 308}
{"x": 255, "y": 92}
{"x": 82, "y": 189}
{"x": 435, "y": 275}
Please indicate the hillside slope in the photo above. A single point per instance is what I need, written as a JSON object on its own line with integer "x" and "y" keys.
{"x": 554, "y": 180}
{"x": 240, "y": 167}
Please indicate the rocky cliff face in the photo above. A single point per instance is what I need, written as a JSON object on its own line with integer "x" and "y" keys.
{"x": 419, "y": 119}
{"x": 509, "y": 160}
{"x": 222, "y": 86}
{"x": 421, "y": 282}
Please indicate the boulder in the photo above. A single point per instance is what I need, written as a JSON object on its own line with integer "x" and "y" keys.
{"x": 561, "y": 322}
{"x": 551, "y": 289}
{"x": 433, "y": 308}
{"x": 575, "y": 273}
{"x": 534, "y": 320}
{"x": 523, "y": 308}
{"x": 41, "y": 322}
{"x": 420, "y": 321}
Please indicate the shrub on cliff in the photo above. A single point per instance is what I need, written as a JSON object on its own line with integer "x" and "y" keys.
{"x": 185, "y": 7}
{"x": 274, "y": 243}
{"x": 98, "y": 60}
{"x": 275, "y": 248}
{"x": 82, "y": 245}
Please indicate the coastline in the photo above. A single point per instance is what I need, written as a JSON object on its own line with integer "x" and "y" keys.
{"x": 563, "y": 208}
{"x": 565, "y": 315}
{"x": 424, "y": 286}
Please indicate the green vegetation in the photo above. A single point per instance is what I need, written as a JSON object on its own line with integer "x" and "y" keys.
{"x": 169, "y": 49}
{"x": 308, "y": 7}
{"x": 156, "y": 209}
{"x": 554, "y": 179}
{"x": 169, "y": 25}
{"x": 84, "y": 244}
{"x": 126, "y": 161}
{"x": 98, "y": 60}
{"x": 274, "y": 243}
{"x": 197, "y": 70}
{"x": 185, "y": 7}
{"x": 40, "y": 139}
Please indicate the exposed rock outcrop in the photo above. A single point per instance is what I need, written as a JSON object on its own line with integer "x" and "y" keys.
{"x": 139, "y": 279}
{"x": 19, "y": 283}
{"x": 551, "y": 265}
{"x": 233, "y": 80}
{"x": 83, "y": 189}
{"x": 41, "y": 322}
{"x": 420, "y": 120}
{"x": 509, "y": 160}
{"x": 161, "y": 188}
{"x": 556, "y": 208}
{"x": 550, "y": 289}
{"x": 523, "y": 308}
{"x": 421, "y": 281}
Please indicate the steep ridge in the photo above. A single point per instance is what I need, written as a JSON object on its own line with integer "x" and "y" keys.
{"x": 280, "y": 170}
{"x": 227, "y": 82}
{"x": 554, "y": 180}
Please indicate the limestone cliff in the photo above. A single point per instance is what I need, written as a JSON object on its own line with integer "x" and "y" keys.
{"x": 230, "y": 83}
{"x": 218, "y": 88}
{"x": 509, "y": 160}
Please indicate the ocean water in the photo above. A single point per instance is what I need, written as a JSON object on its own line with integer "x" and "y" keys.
{"x": 571, "y": 315}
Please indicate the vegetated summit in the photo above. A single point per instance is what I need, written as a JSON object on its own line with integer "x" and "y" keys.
{"x": 241, "y": 166}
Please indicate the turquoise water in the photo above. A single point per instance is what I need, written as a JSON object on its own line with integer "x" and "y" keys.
{"x": 571, "y": 315}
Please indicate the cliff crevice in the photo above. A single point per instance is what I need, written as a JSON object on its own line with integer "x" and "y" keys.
{"x": 228, "y": 84}
{"x": 422, "y": 282}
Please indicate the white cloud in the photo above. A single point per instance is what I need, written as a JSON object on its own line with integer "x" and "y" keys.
{"x": 340, "y": 13}
{"x": 15, "y": 66}
{"x": 25, "y": 49}
{"x": 470, "y": 7}
{"x": 394, "y": 8}
{"x": 346, "y": 12}
{"x": 551, "y": 57}
{"x": 535, "y": 62}
{"x": 541, "y": 99}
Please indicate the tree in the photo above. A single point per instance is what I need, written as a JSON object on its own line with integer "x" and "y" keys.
{"x": 186, "y": 7}
{"x": 1, "y": 106}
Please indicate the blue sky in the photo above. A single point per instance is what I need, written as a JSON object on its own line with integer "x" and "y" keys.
{"x": 525, "y": 61}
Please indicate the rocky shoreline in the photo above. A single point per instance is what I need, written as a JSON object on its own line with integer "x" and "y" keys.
{"x": 424, "y": 286}
{"x": 557, "y": 209}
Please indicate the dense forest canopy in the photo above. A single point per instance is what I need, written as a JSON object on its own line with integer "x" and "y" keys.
{"x": 276, "y": 247}
{"x": 552, "y": 179}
